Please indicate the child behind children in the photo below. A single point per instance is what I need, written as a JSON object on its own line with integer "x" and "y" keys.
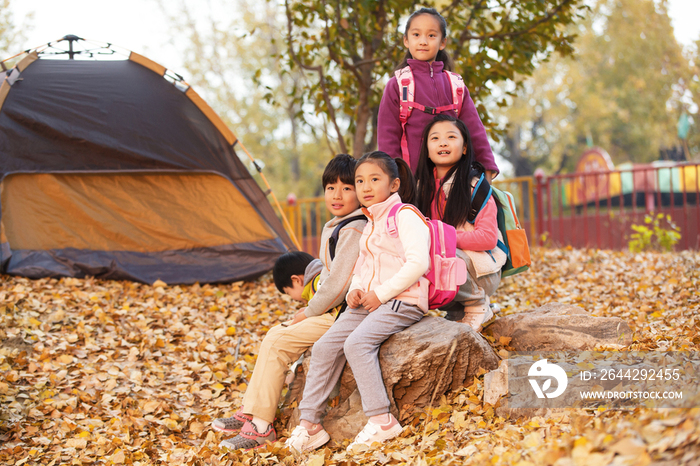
{"x": 388, "y": 294}
{"x": 294, "y": 274}
{"x": 445, "y": 183}
{"x": 425, "y": 38}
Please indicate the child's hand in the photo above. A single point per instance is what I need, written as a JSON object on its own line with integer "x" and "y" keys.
{"x": 354, "y": 299}
{"x": 298, "y": 317}
{"x": 370, "y": 301}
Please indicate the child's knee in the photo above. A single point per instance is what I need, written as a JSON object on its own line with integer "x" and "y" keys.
{"x": 350, "y": 346}
{"x": 323, "y": 346}
{"x": 489, "y": 283}
{"x": 355, "y": 346}
{"x": 273, "y": 336}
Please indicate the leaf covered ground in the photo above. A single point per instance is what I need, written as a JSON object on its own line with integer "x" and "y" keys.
{"x": 106, "y": 372}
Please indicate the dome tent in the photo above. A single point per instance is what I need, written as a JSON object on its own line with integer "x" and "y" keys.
{"x": 109, "y": 170}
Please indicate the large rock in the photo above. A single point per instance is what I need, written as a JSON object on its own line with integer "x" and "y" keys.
{"x": 557, "y": 326}
{"x": 513, "y": 378}
{"x": 422, "y": 362}
{"x": 552, "y": 327}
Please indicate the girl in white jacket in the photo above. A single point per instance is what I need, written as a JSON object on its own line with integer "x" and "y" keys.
{"x": 388, "y": 294}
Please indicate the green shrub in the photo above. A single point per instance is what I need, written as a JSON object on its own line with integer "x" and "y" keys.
{"x": 652, "y": 236}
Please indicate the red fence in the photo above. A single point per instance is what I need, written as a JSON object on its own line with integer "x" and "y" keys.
{"x": 597, "y": 209}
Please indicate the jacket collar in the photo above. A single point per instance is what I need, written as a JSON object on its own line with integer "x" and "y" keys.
{"x": 446, "y": 184}
{"x": 424, "y": 66}
{"x": 378, "y": 210}
{"x": 313, "y": 269}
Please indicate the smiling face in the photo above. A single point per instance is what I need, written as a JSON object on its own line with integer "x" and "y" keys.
{"x": 340, "y": 198}
{"x": 373, "y": 185}
{"x": 445, "y": 146}
{"x": 424, "y": 38}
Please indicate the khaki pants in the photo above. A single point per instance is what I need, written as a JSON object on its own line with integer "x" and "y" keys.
{"x": 280, "y": 347}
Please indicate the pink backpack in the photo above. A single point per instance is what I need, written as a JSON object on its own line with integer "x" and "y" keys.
{"x": 407, "y": 88}
{"x": 446, "y": 271}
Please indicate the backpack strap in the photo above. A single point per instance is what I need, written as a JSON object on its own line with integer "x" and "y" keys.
{"x": 333, "y": 240}
{"x": 458, "y": 87}
{"x": 391, "y": 225}
{"x": 481, "y": 193}
{"x": 407, "y": 85}
{"x": 501, "y": 219}
{"x": 314, "y": 282}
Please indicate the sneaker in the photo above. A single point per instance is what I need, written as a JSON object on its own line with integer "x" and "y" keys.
{"x": 301, "y": 441}
{"x": 454, "y": 311}
{"x": 376, "y": 433}
{"x": 478, "y": 317}
{"x": 249, "y": 438}
{"x": 231, "y": 424}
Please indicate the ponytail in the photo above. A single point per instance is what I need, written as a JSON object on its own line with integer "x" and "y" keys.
{"x": 407, "y": 189}
{"x": 395, "y": 168}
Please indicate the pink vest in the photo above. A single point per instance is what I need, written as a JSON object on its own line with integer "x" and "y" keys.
{"x": 379, "y": 258}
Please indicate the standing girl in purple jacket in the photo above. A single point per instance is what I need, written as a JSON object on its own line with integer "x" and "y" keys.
{"x": 432, "y": 92}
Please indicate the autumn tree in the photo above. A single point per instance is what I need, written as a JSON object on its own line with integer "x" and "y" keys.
{"x": 620, "y": 91}
{"x": 349, "y": 48}
{"x": 231, "y": 53}
{"x": 11, "y": 34}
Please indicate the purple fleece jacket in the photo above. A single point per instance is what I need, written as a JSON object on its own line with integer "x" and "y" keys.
{"x": 432, "y": 89}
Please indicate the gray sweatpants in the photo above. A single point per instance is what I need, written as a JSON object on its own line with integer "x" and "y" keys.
{"x": 356, "y": 336}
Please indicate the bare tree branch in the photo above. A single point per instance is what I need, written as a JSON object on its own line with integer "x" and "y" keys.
{"x": 472, "y": 14}
{"x": 344, "y": 33}
{"x": 331, "y": 52}
{"x": 465, "y": 32}
{"x": 465, "y": 36}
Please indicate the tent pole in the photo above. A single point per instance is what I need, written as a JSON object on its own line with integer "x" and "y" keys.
{"x": 274, "y": 198}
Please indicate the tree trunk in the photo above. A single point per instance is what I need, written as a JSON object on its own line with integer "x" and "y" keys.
{"x": 521, "y": 165}
{"x": 294, "y": 152}
{"x": 372, "y": 145}
{"x": 363, "y": 114}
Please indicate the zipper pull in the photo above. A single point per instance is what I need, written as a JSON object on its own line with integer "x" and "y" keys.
{"x": 431, "y": 70}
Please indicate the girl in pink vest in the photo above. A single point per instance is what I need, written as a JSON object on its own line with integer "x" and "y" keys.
{"x": 388, "y": 294}
{"x": 430, "y": 88}
{"x": 445, "y": 183}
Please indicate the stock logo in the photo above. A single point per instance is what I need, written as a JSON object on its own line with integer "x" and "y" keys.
{"x": 550, "y": 370}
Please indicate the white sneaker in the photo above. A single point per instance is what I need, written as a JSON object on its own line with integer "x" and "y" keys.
{"x": 301, "y": 441}
{"x": 375, "y": 433}
{"x": 478, "y": 317}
